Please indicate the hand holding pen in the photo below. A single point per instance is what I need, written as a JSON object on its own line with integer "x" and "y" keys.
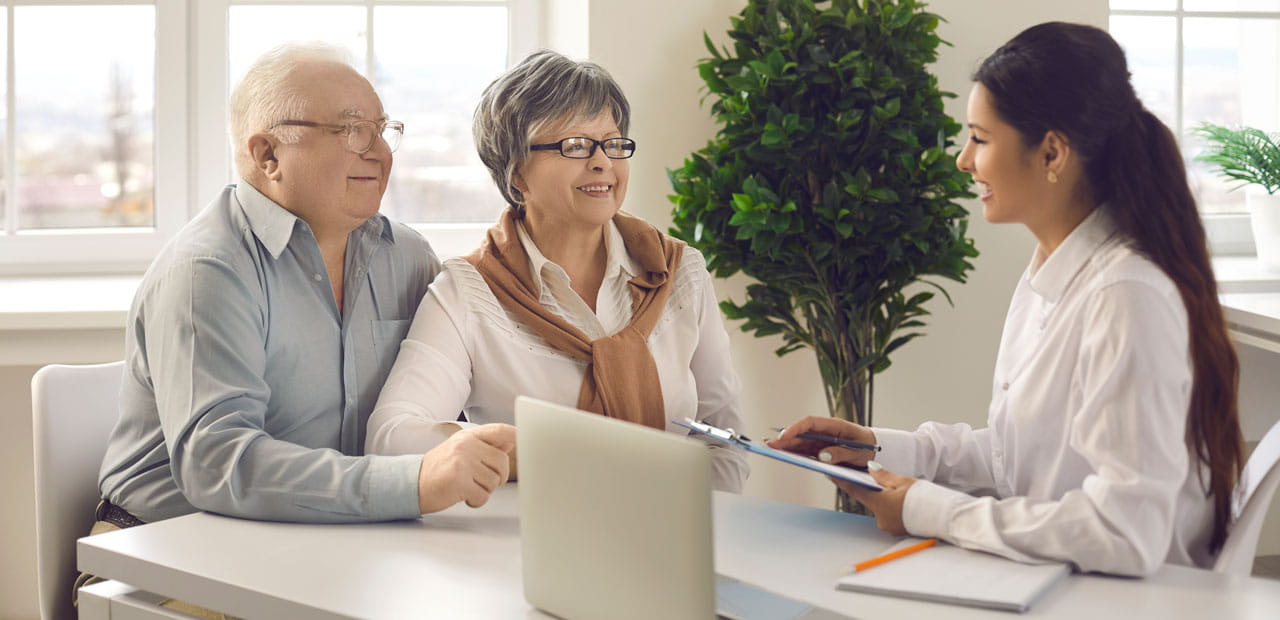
{"x": 831, "y": 440}
{"x": 839, "y": 441}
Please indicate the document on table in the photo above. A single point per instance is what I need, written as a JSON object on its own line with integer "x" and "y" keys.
{"x": 948, "y": 574}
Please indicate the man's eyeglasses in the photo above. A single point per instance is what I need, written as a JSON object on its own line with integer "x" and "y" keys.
{"x": 360, "y": 134}
{"x": 585, "y": 148}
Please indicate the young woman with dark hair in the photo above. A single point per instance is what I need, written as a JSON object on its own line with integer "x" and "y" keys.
{"x": 1113, "y": 440}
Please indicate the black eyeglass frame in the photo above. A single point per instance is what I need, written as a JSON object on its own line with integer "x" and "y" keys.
{"x": 349, "y": 127}
{"x": 628, "y": 146}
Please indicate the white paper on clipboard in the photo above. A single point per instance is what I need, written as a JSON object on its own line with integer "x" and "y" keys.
{"x": 728, "y": 436}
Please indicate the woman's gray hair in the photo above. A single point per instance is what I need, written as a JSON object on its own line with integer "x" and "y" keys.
{"x": 267, "y": 95}
{"x": 545, "y": 88}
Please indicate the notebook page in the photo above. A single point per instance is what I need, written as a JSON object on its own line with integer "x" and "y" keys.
{"x": 949, "y": 574}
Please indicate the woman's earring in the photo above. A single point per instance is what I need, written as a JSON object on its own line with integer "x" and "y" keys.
{"x": 1053, "y": 177}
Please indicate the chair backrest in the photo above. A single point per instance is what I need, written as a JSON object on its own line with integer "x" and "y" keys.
{"x": 73, "y": 409}
{"x": 1258, "y": 485}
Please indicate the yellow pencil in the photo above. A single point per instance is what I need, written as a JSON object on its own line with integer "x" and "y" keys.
{"x": 893, "y": 555}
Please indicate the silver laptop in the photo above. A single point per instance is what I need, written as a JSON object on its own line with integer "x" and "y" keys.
{"x": 615, "y": 522}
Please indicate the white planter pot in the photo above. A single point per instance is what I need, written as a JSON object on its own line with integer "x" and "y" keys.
{"x": 1264, "y": 215}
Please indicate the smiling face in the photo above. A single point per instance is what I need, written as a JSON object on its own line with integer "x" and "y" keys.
{"x": 321, "y": 180}
{"x": 997, "y": 159}
{"x": 581, "y": 193}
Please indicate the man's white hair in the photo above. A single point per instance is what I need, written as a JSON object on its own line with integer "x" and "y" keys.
{"x": 266, "y": 95}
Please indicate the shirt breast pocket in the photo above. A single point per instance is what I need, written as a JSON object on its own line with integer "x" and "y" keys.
{"x": 387, "y": 336}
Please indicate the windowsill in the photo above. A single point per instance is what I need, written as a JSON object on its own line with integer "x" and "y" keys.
{"x": 1250, "y": 297}
{"x": 64, "y": 319}
{"x": 66, "y": 302}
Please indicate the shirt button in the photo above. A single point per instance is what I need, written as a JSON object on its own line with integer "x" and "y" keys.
{"x": 1005, "y": 387}
{"x": 317, "y": 277}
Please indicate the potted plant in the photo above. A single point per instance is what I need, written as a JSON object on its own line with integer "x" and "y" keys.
{"x": 829, "y": 182}
{"x": 1251, "y": 156}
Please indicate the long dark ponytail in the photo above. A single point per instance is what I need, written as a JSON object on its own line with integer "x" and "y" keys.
{"x": 1074, "y": 79}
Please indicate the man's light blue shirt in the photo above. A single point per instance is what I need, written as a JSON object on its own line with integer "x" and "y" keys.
{"x": 246, "y": 391}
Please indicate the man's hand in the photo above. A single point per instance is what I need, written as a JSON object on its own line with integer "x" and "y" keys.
{"x": 824, "y": 451}
{"x": 467, "y": 467}
{"x": 886, "y": 505}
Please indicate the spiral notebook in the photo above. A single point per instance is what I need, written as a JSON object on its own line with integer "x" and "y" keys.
{"x": 948, "y": 574}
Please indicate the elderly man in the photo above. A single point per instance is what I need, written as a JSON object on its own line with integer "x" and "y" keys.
{"x": 261, "y": 335}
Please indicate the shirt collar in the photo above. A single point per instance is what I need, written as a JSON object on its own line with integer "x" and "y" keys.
{"x": 1054, "y": 274}
{"x": 619, "y": 261}
{"x": 274, "y": 225}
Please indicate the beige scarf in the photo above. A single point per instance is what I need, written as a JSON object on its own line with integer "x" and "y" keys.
{"x": 622, "y": 379}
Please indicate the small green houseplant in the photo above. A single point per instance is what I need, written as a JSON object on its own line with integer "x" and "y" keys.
{"x": 828, "y": 182}
{"x": 1252, "y": 157}
{"x": 1244, "y": 154}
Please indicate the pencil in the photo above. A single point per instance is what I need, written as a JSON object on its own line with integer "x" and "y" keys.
{"x": 893, "y": 555}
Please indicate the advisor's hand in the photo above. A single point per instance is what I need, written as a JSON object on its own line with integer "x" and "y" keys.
{"x": 886, "y": 505}
{"x": 467, "y": 467}
{"x": 790, "y": 441}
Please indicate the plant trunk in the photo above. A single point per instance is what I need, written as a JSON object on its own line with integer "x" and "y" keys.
{"x": 848, "y": 392}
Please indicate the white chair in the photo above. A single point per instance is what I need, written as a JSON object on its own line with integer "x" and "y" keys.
{"x": 1258, "y": 485}
{"x": 73, "y": 409}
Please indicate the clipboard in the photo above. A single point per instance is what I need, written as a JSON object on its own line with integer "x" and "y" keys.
{"x": 733, "y": 438}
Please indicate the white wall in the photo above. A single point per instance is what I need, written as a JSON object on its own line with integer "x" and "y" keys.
{"x": 17, "y": 512}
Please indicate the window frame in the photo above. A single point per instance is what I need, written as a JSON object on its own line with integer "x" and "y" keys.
{"x": 116, "y": 249}
{"x": 1229, "y": 234}
{"x": 192, "y": 151}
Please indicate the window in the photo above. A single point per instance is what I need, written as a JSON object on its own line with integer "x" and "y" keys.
{"x": 1199, "y": 61}
{"x": 82, "y": 143}
{"x": 115, "y": 130}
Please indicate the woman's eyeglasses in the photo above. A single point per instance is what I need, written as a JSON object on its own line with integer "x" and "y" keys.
{"x": 585, "y": 148}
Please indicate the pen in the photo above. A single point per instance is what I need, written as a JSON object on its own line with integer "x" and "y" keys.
{"x": 840, "y": 441}
{"x": 893, "y": 555}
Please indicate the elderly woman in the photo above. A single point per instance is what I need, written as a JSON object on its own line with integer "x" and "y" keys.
{"x": 568, "y": 299}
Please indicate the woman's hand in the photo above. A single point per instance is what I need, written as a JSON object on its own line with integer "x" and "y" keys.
{"x": 824, "y": 451}
{"x": 886, "y": 505}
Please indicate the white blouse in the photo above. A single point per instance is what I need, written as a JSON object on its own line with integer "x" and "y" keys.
{"x": 465, "y": 353}
{"x": 1083, "y": 459}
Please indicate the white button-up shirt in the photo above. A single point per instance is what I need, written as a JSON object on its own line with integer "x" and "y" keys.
{"x": 1084, "y": 457}
{"x": 466, "y": 353}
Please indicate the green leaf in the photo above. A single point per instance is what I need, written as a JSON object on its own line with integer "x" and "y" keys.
{"x": 882, "y": 194}
{"x": 893, "y": 107}
{"x": 706, "y": 40}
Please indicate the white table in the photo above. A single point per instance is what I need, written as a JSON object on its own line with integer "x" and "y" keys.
{"x": 465, "y": 563}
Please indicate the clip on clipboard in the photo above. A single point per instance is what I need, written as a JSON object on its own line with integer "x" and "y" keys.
{"x": 733, "y": 438}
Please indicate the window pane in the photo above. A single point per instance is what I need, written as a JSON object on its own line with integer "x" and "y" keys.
{"x": 1150, "y": 47}
{"x": 1230, "y": 77}
{"x": 1230, "y": 5}
{"x": 256, "y": 29}
{"x": 433, "y": 63}
{"x": 85, "y": 128}
{"x": 1144, "y": 5}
